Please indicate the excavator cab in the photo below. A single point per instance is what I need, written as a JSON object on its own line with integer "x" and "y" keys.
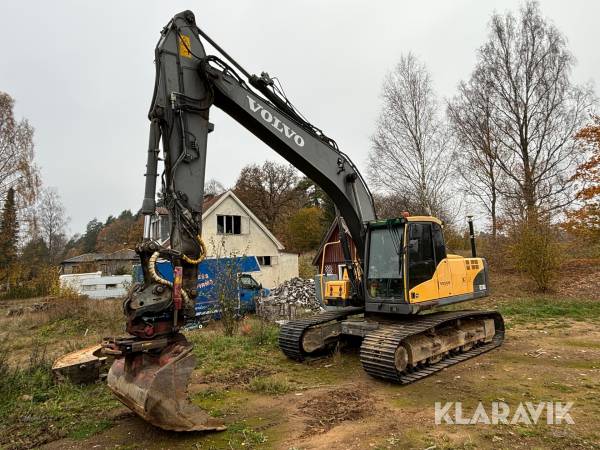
{"x": 409, "y": 269}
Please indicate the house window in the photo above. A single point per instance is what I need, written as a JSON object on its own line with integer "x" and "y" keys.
{"x": 111, "y": 286}
{"x": 229, "y": 224}
{"x": 164, "y": 228}
{"x": 264, "y": 260}
{"x": 154, "y": 228}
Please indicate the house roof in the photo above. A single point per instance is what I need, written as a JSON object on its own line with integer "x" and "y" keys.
{"x": 327, "y": 237}
{"x": 229, "y": 194}
{"x": 210, "y": 200}
{"x": 86, "y": 257}
{"x": 125, "y": 254}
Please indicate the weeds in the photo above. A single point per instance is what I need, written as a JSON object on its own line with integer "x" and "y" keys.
{"x": 218, "y": 352}
{"x": 262, "y": 333}
{"x": 272, "y": 385}
{"x": 34, "y": 409}
{"x": 533, "y": 309}
{"x": 245, "y": 437}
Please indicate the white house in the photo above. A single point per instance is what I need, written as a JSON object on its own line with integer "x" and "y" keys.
{"x": 95, "y": 286}
{"x": 227, "y": 220}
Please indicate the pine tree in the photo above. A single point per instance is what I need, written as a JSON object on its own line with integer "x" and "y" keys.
{"x": 9, "y": 229}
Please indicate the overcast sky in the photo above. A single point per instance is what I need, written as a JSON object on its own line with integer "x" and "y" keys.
{"x": 82, "y": 73}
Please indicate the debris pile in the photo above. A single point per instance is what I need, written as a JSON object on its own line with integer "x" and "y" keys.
{"x": 294, "y": 298}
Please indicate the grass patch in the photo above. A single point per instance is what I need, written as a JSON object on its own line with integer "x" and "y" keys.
{"x": 239, "y": 435}
{"x": 35, "y": 410}
{"x": 219, "y": 353}
{"x": 272, "y": 385}
{"x": 523, "y": 310}
{"x": 217, "y": 402}
{"x": 246, "y": 436}
{"x": 87, "y": 429}
{"x": 581, "y": 343}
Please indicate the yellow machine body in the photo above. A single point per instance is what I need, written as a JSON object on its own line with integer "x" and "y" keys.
{"x": 338, "y": 292}
{"x": 454, "y": 276}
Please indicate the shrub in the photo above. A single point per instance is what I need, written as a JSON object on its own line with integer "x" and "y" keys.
{"x": 45, "y": 283}
{"x": 535, "y": 252}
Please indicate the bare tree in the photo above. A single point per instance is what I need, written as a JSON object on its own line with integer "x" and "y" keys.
{"x": 410, "y": 147}
{"x": 525, "y": 65}
{"x": 389, "y": 206}
{"x": 51, "y": 222}
{"x": 476, "y": 156}
{"x": 17, "y": 167}
{"x": 270, "y": 191}
{"x": 213, "y": 187}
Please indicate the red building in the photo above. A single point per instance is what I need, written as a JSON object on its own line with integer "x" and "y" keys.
{"x": 334, "y": 255}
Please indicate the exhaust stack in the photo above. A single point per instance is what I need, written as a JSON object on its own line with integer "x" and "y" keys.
{"x": 472, "y": 236}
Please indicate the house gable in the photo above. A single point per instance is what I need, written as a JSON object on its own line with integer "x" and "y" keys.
{"x": 228, "y": 203}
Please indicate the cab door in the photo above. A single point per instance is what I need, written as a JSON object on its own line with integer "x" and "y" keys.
{"x": 443, "y": 272}
{"x": 421, "y": 263}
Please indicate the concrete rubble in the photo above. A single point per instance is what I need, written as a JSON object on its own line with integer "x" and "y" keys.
{"x": 292, "y": 299}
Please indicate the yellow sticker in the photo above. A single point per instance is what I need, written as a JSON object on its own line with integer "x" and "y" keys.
{"x": 185, "y": 46}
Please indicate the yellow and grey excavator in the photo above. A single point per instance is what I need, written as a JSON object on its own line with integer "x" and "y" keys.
{"x": 400, "y": 269}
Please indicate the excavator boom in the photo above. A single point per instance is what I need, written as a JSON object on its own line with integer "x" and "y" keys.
{"x": 153, "y": 363}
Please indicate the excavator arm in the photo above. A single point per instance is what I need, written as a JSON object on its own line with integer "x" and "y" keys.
{"x": 188, "y": 83}
{"x": 153, "y": 363}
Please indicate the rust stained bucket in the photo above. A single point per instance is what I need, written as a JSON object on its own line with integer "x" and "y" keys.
{"x": 154, "y": 386}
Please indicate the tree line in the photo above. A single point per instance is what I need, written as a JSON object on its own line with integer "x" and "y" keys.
{"x": 33, "y": 219}
{"x": 518, "y": 144}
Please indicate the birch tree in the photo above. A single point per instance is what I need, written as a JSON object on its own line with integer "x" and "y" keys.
{"x": 476, "y": 156}
{"x": 410, "y": 148}
{"x": 17, "y": 167}
{"x": 51, "y": 222}
{"x": 536, "y": 109}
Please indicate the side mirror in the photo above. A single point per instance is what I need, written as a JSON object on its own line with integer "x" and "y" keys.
{"x": 260, "y": 286}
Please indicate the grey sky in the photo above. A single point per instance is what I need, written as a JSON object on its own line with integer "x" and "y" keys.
{"x": 82, "y": 73}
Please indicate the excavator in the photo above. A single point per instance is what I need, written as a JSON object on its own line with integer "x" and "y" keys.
{"x": 399, "y": 271}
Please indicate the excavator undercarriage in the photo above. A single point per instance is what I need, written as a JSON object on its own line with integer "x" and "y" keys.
{"x": 401, "y": 350}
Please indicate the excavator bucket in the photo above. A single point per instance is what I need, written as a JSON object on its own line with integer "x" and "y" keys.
{"x": 154, "y": 386}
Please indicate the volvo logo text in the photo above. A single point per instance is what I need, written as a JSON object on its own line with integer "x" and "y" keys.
{"x": 275, "y": 122}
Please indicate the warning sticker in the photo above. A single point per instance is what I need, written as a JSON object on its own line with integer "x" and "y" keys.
{"x": 185, "y": 46}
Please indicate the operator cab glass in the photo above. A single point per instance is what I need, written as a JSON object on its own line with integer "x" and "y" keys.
{"x": 384, "y": 276}
{"x": 426, "y": 250}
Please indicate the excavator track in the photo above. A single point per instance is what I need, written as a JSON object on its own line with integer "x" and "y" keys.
{"x": 378, "y": 349}
{"x": 290, "y": 336}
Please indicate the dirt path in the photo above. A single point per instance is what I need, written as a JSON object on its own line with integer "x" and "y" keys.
{"x": 348, "y": 410}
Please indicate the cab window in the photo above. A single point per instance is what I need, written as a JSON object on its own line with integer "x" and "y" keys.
{"x": 421, "y": 262}
{"x": 438, "y": 243}
{"x": 384, "y": 276}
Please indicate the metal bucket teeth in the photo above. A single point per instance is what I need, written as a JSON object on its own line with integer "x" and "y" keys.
{"x": 154, "y": 386}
